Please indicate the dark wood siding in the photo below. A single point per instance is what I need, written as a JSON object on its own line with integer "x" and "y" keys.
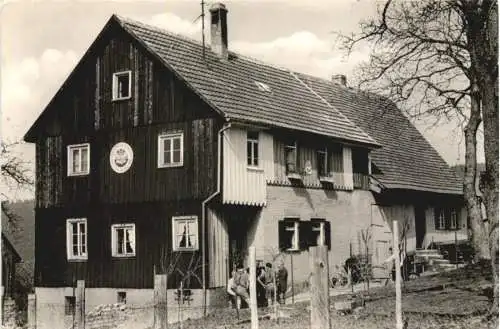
{"x": 153, "y": 225}
{"x": 160, "y": 102}
{"x": 83, "y": 112}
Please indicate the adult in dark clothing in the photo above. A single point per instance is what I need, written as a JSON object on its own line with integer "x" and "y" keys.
{"x": 261, "y": 286}
{"x": 281, "y": 282}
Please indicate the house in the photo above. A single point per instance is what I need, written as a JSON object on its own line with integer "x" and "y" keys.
{"x": 159, "y": 155}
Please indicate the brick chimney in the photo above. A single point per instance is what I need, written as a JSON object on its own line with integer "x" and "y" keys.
{"x": 339, "y": 79}
{"x": 218, "y": 29}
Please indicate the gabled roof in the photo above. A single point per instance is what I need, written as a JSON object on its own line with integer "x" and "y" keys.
{"x": 246, "y": 90}
{"x": 406, "y": 159}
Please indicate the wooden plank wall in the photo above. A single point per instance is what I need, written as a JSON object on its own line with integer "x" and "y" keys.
{"x": 153, "y": 244}
{"x": 243, "y": 185}
{"x": 159, "y": 102}
{"x": 218, "y": 249}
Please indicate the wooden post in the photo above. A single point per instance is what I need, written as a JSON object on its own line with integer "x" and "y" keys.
{"x": 320, "y": 308}
{"x": 456, "y": 249}
{"x": 31, "y": 311}
{"x": 291, "y": 273}
{"x": 253, "y": 288}
{"x": 399, "y": 317}
{"x": 160, "y": 301}
{"x": 80, "y": 304}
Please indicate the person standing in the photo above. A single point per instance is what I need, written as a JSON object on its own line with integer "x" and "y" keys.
{"x": 281, "y": 282}
{"x": 269, "y": 283}
{"x": 241, "y": 283}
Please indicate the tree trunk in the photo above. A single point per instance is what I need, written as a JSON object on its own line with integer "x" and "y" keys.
{"x": 479, "y": 238}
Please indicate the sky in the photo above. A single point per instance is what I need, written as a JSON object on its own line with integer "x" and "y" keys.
{"x": 41, "y": 42}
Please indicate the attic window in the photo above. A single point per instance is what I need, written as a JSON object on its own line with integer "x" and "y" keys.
{"x": 262, "y": 86}
{"x": 122, "y": 85}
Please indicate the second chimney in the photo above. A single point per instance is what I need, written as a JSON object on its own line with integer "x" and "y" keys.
{"x": 340, "y": 79}
{"x": 218, "y": 29}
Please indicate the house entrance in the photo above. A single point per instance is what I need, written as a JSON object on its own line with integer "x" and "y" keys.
{"x": 420, "y": 226}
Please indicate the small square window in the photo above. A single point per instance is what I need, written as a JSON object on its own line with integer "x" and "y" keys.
{"x": 78, "y": 159}
{"x": 170, "y": 150}
{"x": 69, "y": 305}
{"x": 121, "y": 297}
{"x": 123, "y": 240}
{"x": 122, "y": 85}
{"x": 253, "y": 149}
{"x": 76, "y": 239}
{"x": 185, "y": 233}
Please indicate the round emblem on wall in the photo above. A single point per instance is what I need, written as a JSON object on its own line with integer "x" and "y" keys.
{"x": 121, "y": 157}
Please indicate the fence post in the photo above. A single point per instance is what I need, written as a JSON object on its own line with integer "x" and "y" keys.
{"x": 291, "y": 273}
{"x": 395, "y": 249}
{"x": 456, "y": 249}
{"x": 253, "y": 288}
{"x": 320, "y": 308}
{"x": 80, "y": 304}
{"x": 31, "y": 311}
{"x": 160, "y": 301}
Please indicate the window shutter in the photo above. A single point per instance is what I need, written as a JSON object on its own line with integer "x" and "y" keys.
{"x": 328, "y": 235}
{"x": 305, "y": 235}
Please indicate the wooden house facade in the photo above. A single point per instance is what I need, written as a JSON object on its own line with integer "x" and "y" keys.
{"x": 157, "y": 154}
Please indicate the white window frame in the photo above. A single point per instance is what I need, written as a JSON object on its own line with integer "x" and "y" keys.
{"x": 442, "y": 220}
{"x": 253, "y": 156}
{"x": 453, "y": 219}
{"x": 116, "y": 76}
{"x": 295, "y": 237}
{"x": 82, "y": 255}
{"x": 162, "y": 138}
{"x": 114, "y": 240}
{"x": 70, "y": 149}
{"x": 316, "y": 226}
{"x": 190, "y": 218}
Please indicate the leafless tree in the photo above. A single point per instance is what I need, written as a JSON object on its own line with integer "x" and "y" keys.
{"x": 439, "y": 57}
{"x": 16, "y": 176}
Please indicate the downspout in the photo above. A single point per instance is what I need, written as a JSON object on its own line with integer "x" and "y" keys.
{"x": 226, "y": 125}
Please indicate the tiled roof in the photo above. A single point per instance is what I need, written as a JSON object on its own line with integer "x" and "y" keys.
{"x": 232, "y": 86}
{"x": 406, "y": 159}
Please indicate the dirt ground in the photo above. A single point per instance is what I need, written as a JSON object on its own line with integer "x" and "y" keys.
{"x": 457, "y": 299}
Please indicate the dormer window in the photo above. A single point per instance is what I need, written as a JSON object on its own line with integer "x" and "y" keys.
{"x": 122, "y": 85}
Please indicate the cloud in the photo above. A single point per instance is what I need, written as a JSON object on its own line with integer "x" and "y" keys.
{"x": 302, "y": 51}
{"x": 28, "y": 85}
{"x": 176, "y": 24}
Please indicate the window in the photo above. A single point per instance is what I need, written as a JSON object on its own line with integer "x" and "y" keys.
{"x": 453, "y": 219}
{"x": 185, "y": 233}
{"x": 170, "y": 150}
{"x": 323, "y": 163}
{"x": 447, "y": 218}
{"x": 69, "y": 305}
{"x": 318, "y": 232}
{"x": 121, "y": 297}
{"x": 122, "y": 85}
{"x": 76, "y": 238}
{"x": 289, "y": 234}
{"x": 291, "y": 157}
{"x": 253, "y": 149}
{"x": 123, "y": 240}
{"x": 78, "y": 159}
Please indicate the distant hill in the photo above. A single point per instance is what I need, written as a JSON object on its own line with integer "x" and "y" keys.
{"x": 22, "y": 233}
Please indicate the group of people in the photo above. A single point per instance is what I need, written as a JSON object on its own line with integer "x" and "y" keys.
{"x": 238, "y": 287}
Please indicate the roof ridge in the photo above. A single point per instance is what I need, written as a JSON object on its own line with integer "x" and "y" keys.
{"x": 331, "y": 106}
